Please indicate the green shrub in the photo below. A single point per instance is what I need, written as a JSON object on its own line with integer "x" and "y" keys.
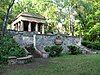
{"x": 94, "y": 32}
{"x": 3, "y": 59}
{"x": 74, "y": 50}
{"x": 85, "y": 43}
{"x": 91, "y": 45}
{"x": 54, "y": 50}
{"x": 86, "y": 36}
{"x": 8, "y": 47}
{"x": 47, "y": 48}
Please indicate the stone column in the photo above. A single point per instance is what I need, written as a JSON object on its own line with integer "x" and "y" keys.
{"x": 18, "y": 27}
{"x": 43, "y": 29}
{"x": 36, "y": 27}
{"x": 29, "y": 27}
{"x": 13, "y": 26}
{"x": 21, "y": 26}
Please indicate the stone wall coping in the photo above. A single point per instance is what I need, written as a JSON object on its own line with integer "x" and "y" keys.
{"x": 21, "y": 60}
{"x": 56, "y": 35}
{"x": 24, "y": 33}
{"x": 12, "y": 57}
{"x": 27, "y": 57}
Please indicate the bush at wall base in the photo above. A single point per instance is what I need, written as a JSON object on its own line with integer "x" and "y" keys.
{"x": 54, "y": 50}
{"x": 8, "y": 47}
{"x": 92, "y": 45}
{"x": 73, "y": 50}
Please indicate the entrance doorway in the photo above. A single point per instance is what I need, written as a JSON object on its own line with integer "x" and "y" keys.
{"x": 25, "y": 24}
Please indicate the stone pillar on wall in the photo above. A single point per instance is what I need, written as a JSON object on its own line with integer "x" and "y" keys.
{"x": 43, "y": 29}
{"x": 36, "y": 27}
{"x": 29, "y": 27}
{"x": 21, "y": 26}
{"x": 34, "y": 36}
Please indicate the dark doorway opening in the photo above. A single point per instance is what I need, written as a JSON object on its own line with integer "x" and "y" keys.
{"x": 33, "y": 24}
{"x": 26, "y": 23}
{"x": 40, "y": 27}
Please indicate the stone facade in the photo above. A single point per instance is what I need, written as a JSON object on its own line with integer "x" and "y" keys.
{"x": 48, "y": 40}
{"x": 41, "y": 41}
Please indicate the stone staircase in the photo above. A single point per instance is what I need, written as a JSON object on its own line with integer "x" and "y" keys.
{"x": 24, "y": 41}
{"x": 38, "y": 52}
{"x": 85, "y": 50}
{"x": 41, "y": 51}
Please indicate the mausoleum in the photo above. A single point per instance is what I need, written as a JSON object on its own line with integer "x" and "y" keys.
{"x": 29, "y": 23}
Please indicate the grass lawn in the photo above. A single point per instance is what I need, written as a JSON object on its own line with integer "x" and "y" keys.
{"x": 64, "y": 65}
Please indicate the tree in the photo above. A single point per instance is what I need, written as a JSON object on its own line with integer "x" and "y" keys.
{"x": 59, "y": 11}
{"x": 6, "y": 17}
{"x": 87, "y": 13}
{"x": 3, "y": 8}
{"x": 94, "y": 32}
{"x": 42, "y": 7}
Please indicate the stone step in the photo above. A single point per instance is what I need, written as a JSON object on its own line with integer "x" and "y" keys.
{"x": 38, "y": 52}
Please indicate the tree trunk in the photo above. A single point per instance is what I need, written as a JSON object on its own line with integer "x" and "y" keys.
{"x": 4, "y": 25}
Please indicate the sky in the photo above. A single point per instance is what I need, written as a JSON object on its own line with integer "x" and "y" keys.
{"x": 16, "y": 1}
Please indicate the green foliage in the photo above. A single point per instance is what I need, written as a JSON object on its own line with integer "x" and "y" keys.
{"x": 47, "y": 48}
{"x": 92, "y": 38}
{"x": 5, "y": 7}
{"x": 54, "y": 50}
{"x": 92, "y": 45}
{"x": 3, "y": 59}
{"x": 95, "y": 32}
{"x": 8, "y": 47}
{"x": 74, "y": 50}
{"x": 54, "y": 11}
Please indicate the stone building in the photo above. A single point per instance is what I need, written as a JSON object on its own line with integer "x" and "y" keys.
{"x": 29, "y": 23}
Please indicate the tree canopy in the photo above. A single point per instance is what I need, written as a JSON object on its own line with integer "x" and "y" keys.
{"x": 65, "y": 12}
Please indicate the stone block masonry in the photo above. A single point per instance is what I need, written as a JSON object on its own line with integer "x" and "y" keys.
{"x": 42, "y": 40}
{"x": 48, "y": 40}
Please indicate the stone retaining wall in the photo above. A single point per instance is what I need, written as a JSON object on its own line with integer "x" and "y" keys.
{"x": 48, "y": 40}
{"x": 23, "y": 40}
{"x": 45, "y": 40}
